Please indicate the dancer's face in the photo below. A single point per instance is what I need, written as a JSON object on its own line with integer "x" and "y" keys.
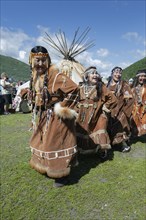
{"x": 40, "y": 64}
{"x": 142, "y": 78}
{"x": 116, "y": 75}
{"x": 93, "y": 78}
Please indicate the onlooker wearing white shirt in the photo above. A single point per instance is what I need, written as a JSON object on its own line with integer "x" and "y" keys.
{"x": 6, "y": 91}
{"x": 1, "y": 102}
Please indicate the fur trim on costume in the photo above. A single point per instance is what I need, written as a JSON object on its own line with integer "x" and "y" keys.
{"x": 105, "y": 109}
{"x": 105, "y": 146}
{"x": 37, "y": 166}
{"x": 64, "y": 112}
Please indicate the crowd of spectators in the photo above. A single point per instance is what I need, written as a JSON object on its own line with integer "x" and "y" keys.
{"x": 8, "y": 91}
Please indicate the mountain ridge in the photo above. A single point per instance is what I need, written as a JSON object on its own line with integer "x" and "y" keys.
{"x": 19, "y": 70}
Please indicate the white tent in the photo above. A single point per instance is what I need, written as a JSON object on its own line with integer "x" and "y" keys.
{"x": 68, "y": 64}
{"x": 17, "y": 100}
{"x": 72, "y": 69}
{"x": 23, "y": 86}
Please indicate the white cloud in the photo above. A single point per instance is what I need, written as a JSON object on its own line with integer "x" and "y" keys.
{"x": 22, "y": 54}
{"x": 102, "y": 52}
{"x": 141, "y": 53}
{"x": 125, "y": 64}
{"x": 43, "y": 29}
{"x": 133, "y": 36}
{"x": 102, "y": 66}
{"x": 13, "y": 42}
{"x": 137, "y": 54}
{"x": 17, "y": 44}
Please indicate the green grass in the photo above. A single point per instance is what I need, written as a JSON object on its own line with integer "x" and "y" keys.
{"x": 100, "y": 190}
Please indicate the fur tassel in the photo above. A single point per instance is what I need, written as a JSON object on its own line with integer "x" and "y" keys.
{"x": 105, "y": 109}
{"x": 64, "y": 112}
{"x": 105, "y": 146}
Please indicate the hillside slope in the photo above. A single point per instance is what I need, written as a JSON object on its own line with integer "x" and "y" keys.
{"x": 131, "y": 71}
{"x": 18, "y": 70}
{"x": 15, "y": 69}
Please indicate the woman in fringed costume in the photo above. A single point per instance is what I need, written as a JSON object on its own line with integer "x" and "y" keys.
{"x": 53, "y": 142}
{"x": 119, "y": 123}
{"x": 138, "y": 122}
{"x": 95, "y": 102}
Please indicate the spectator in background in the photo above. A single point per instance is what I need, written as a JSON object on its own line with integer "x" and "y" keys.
{"x": 131, "y": 80}
{"x": 14, "y": 90}
{"x": 6, "y": 91}
{"x": 1, "y": 102}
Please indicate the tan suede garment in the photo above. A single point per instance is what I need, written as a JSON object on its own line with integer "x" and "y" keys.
{"x": 53, "y": 143}
{"x": 119, "y": 123}
{"x": 92, "y": 120}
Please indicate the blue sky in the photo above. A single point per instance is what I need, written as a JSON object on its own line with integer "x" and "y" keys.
{"x": 117, "y": 27}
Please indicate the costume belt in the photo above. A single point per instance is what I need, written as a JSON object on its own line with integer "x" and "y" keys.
{"x": 54, "y": 154}
{"x": 87, "y": 105}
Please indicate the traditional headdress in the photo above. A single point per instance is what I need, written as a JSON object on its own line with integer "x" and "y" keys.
{"x": 89, "y": 70}
{"x": 141, "y": 72}
{"x": 38, "y": 51}
{"x": 115, "y": 68}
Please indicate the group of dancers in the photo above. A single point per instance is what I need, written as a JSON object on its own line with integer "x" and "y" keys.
{"x": 70, "y": 119}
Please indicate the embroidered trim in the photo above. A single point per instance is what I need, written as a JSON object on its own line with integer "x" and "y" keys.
{"x": 39, "y": 54}
{"x": 54, "y": 154}
{"x": 100, "y": 131}
{"x": 87, "y": 105}
{"x": 54, "y": 82}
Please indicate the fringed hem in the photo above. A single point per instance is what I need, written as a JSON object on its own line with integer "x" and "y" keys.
{"x": 105, "y": 146}
{"x": 119, "y": 138}
{"x": 49, "y": 172}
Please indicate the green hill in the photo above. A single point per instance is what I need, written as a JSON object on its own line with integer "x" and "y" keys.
{"x": 131, "y": 70}
{"x": 15, "y": 69}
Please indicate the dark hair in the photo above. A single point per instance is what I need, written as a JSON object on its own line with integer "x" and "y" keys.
{"x": 116, "y": 67}
{"x": 87, "y": 71}
{"x": 45, "y": 93}
{"x": 99, "y": 90}
{"x": 38, "y": 49}
{"x": 91, "y": 67}
{"x": 141, "y": 71}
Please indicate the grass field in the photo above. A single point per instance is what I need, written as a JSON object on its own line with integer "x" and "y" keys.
{"x": 99, "y": 190}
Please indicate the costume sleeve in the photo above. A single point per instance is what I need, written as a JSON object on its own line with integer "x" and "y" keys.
{"x": 125, "y": 101}
{"x": 110, "y": 99}
{"x": 68, "y": 90}
{"x": 128, "y": 99}
{"x": 65, "y": 86}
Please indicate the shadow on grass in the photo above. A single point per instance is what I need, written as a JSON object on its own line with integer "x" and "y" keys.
{"x": 86, "y": 163}
{"x": 134, "y": 140}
